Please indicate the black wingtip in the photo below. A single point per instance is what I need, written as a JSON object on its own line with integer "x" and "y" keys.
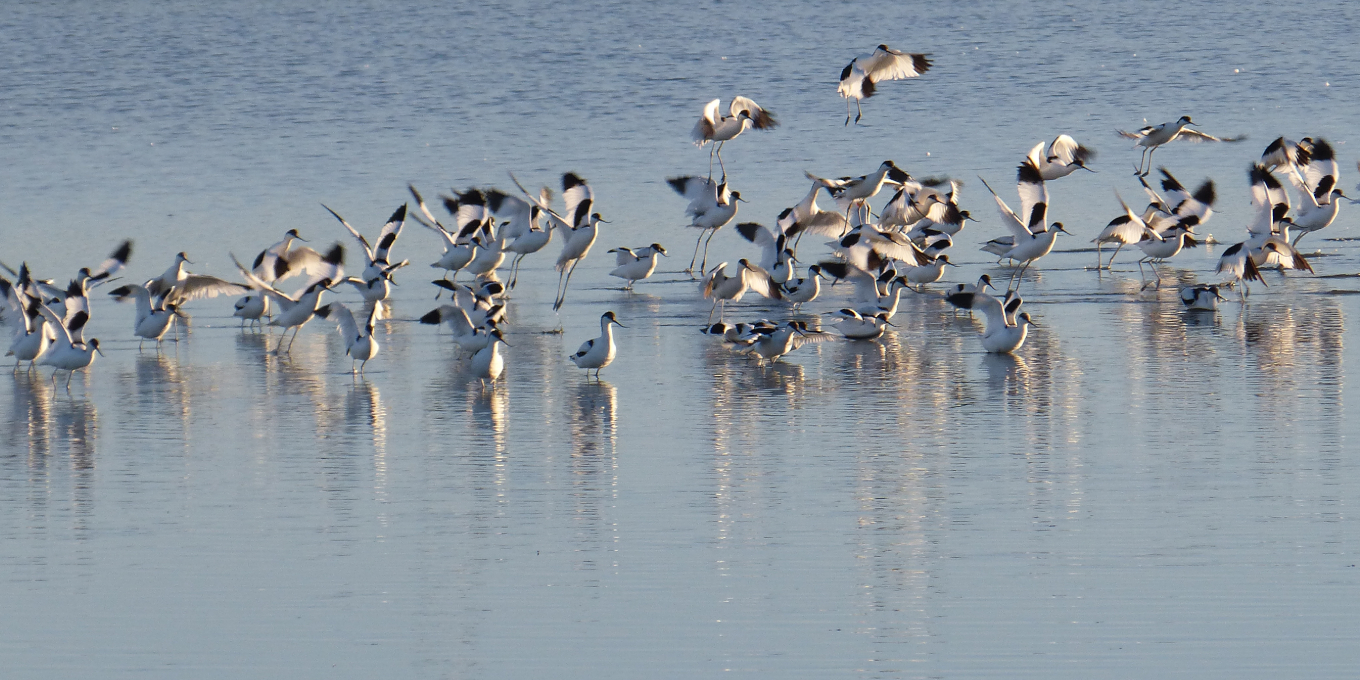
{"x": 570, "y": 180}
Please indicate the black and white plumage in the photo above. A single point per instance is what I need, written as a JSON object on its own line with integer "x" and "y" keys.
{"x": 720, "y": 288}
{"x": 360, "y": 344}
{"x": 1153, "y": 136}
{"x": 856, "y": 326}
{"x": 20, "y": 311}
{"x": 1031, "y": 236}
{"x": 963, "y": 295}
{"x": 598, "y": 353}
{"x": 635, "y": 264}
{"x": 294, "y": 310}
{"x": 1237, "y": 263}
{"x": 715, "y": 127}
{"x": 712, "y": 205}
{"x": 177, "y": 286}
{"x": 1317, "y": 177}
{"x": 1201, "y": 297}
{"x": 459, "y": 249}
{"x": 64, "y": 354}
{"x": 374, "y": 284}
{"x": 859, "y": 78}
{"x": 1060, "y": 157}
{"x": 1124, "y": 229}
{"x": 801, "y": 291}
{"x": 850, "y": 192}
{"x": 770, "y": 345}
{"x": 775, "y": 257}
{"x": 153, "y": 318}
{"x": 807, "y": 216}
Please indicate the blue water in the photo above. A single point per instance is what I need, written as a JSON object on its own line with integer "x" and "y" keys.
{"x": 1140, "y": 492}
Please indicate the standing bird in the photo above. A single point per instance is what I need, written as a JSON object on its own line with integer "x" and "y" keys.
{"x": 63, "y": 355}
{"x": 635, "y": 264}
{"x": 598, "y": 352}
{"x": 860, "y": 76}
{"x": 22, "y": 313}
{"x": 294, "y": 312}
{"x": 487, "y": 363}
{"x": 719, "y": 287}
{"x": 963, "y": 295}
{"x": 584, "y": 230}
{"x": 714, "y": 127}
{"x": 1031, "y": 236}
{"x": 711, "y": 205}
{"x": 772, "y": 343}
{"x": 800, "y": 291}
{"x": 360, "y": 344}
{"x": 152, "y": 321}
{"x": 1125, "y": 229}
{"x": 1154, "y": 136}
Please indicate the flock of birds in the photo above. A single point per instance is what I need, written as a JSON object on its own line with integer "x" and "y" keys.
{"x": 880, "y": 252}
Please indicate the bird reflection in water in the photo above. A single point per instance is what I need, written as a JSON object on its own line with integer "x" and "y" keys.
{"x": 594, "y": 468}
{"x": 366, "y": 415}
{"x": 53, "y": 424}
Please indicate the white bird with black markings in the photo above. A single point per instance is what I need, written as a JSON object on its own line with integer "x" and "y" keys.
{"x": 64, "y": 355}
{"x": 775, "y": 257}
{"x": 771, "y": 345}
{"x": 21, "y": 313}
{"x": 1316, "y": 176}
{"x": 360, "y": 344}
{"x": 487, "y": 363}
{"x": 855, "y": 192}
{"x": 584, "y": 229}
{"x": 459, "y": 249}
{"x": 856, "y": 326}
{"x": 152, "y": 319}
{"x": 375, "y": 283}
{"x": 1031, "y": 236}
{"x": 720, "y": 288}
{"x": 801, "y": 291}
{"x": 712, "y": 205}
{"x": 859, "y": 78}
{"x": 1007, "y": 327}
{"x": 963, "y": 295}
{"x": 1202, "y": 297}
{"x": 1060, "y": 157}
{"x": 178, "y": 286}
{"x": 597, "y": 353}
{"x": 715, "y": 127}
{"x": 1153, "y": 136}
{"x": 294, "y": 311}
{"x": 635, "y": 264}
{"x": 809, "y": 217}
{"x": 1124, "y": 229}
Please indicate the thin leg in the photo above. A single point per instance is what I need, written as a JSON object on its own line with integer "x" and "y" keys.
{"x": 847, "y": 111}
{"x": 557, "y": 300}
{"x": 565, "y": 285}
{"x": 692, "y": 260}
{"x": 703, "y": 266}
{"x": 859, "y": 112}
{"x": 1149, "y": 161}
{"x": 1116, "y": 252}
{"x": 718, "y": 153}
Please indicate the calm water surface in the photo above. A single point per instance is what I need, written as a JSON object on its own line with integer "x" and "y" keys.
{"x": 1140, "y": 492}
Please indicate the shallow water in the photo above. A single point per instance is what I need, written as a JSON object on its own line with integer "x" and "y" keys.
{"x": 1140, "y": 492}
